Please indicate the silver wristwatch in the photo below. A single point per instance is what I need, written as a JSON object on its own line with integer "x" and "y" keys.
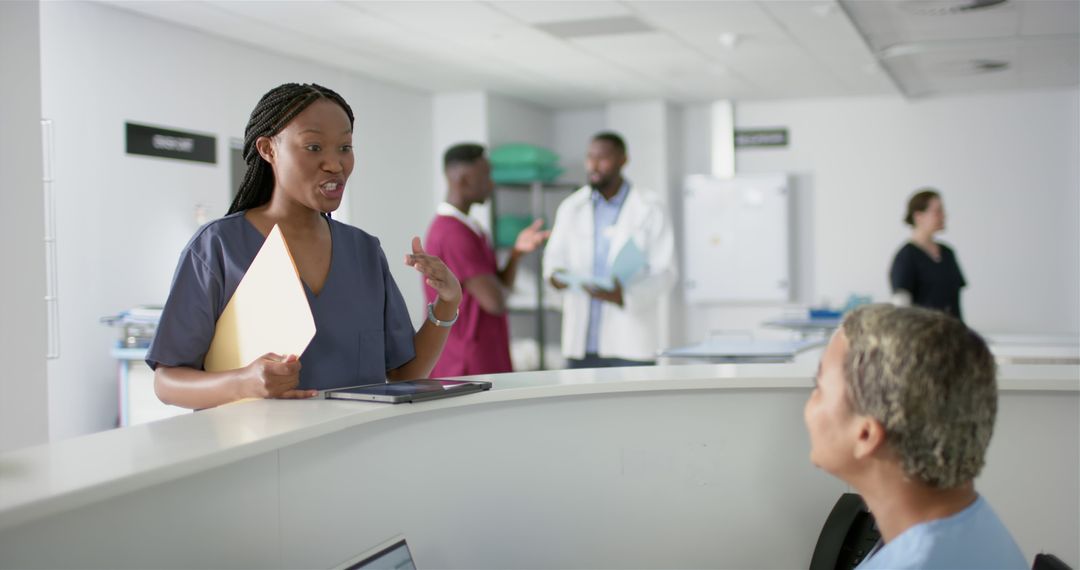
{"x": 435, "y": 320}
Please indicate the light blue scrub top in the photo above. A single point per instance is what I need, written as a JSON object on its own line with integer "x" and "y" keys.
{"x": 974, "y": 538}
{"x": 362, "y": 325}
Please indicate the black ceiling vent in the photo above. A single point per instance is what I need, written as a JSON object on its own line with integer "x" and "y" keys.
{"x": 989, "y": 65}
{"x": 979, "y": 5}
{"x": 969, "y": 67}
{"x": 939, "y": 8}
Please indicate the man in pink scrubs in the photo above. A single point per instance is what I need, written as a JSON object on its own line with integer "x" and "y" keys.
{"x": 479, "y": 342}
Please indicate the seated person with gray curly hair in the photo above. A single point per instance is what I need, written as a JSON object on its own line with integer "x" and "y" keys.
{"x": 902, "y": 410}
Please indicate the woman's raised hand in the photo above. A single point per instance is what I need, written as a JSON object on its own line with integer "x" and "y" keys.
{"x": 436, "y": 274}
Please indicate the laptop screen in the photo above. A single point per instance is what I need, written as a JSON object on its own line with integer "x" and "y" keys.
{"x": 391, "y": 555}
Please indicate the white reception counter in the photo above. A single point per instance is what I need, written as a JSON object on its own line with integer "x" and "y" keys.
{"x": 661, "y": 467}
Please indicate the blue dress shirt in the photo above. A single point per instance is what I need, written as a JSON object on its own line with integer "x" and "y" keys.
{"x": 605, "y": 213}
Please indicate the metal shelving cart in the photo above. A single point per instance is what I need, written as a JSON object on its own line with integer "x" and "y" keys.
{"x": 534, "y": 199}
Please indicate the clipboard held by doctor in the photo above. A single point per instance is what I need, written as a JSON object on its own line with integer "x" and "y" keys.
{"x": 627, "y": 265}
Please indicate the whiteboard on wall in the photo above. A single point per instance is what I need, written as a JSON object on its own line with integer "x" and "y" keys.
{"x": 736, "y": 236}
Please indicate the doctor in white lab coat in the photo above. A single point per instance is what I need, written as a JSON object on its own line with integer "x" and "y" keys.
{"x": 618, "y": 326}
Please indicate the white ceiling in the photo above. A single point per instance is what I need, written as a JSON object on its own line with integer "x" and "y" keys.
{"x": 934, "y": 47}
{"x": 563, "y": 54}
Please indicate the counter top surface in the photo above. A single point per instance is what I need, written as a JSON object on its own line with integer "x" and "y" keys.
{"x": 45, "y": 479}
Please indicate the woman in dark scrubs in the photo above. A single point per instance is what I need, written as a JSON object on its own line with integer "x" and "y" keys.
{"x": 925, "y": 272}
{"x": 299, "y": 155}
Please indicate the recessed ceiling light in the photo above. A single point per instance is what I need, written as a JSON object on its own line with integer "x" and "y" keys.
{"x": 729, "y": 39}
{"x": 825, "y": 10}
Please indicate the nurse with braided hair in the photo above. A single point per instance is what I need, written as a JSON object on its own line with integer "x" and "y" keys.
{"x": 299, "y": 155}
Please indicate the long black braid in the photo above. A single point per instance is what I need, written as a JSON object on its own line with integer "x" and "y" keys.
{"x": 274, "y": 111}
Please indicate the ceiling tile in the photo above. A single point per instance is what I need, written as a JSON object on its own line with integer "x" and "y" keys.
{"x": 1050, "y": 63}
{"x": 543, "y": 12}
{"x": 956, "y": 70}
{"x": 783, "y": 48}
{"x": 1049, "y": 17}
{"x": 654, "y": 55}
{"x": 889, "y": 22}
{"x": 653, "y": 46}
{"x": 329, "y": 23}
{"x": 450, "y": 17}
{"x": 713, "y": 18}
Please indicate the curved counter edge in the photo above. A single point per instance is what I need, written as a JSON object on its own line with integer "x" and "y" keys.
{"x": 44, "y": 480}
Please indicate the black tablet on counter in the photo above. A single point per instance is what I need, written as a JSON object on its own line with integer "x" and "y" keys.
{"x": 408, "y": 390}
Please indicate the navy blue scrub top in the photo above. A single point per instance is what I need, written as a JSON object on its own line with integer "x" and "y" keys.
{"x": 932, "y": 284}
{"x": 362, "y": 325}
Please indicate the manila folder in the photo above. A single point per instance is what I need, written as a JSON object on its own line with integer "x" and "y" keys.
{"x": 269, "y": 312}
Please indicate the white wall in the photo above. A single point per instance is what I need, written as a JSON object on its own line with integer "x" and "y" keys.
{"x": 512, "y": 121}
{"x": 573, "y": 130}
{"x": 455, "y": 118}
{"x": 23, "y": 389}
{"x": 644, "y": 127}
{"x": 1007, "y": 165}
{"x": 697, "y": 139}
{"x": 123, "y": 219}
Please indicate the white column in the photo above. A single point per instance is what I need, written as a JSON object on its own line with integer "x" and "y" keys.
{"x": 23, "y": 386}
{"x": 723, "y": 139}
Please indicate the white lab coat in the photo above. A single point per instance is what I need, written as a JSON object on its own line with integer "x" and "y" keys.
{"x": 629, "y": 332}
